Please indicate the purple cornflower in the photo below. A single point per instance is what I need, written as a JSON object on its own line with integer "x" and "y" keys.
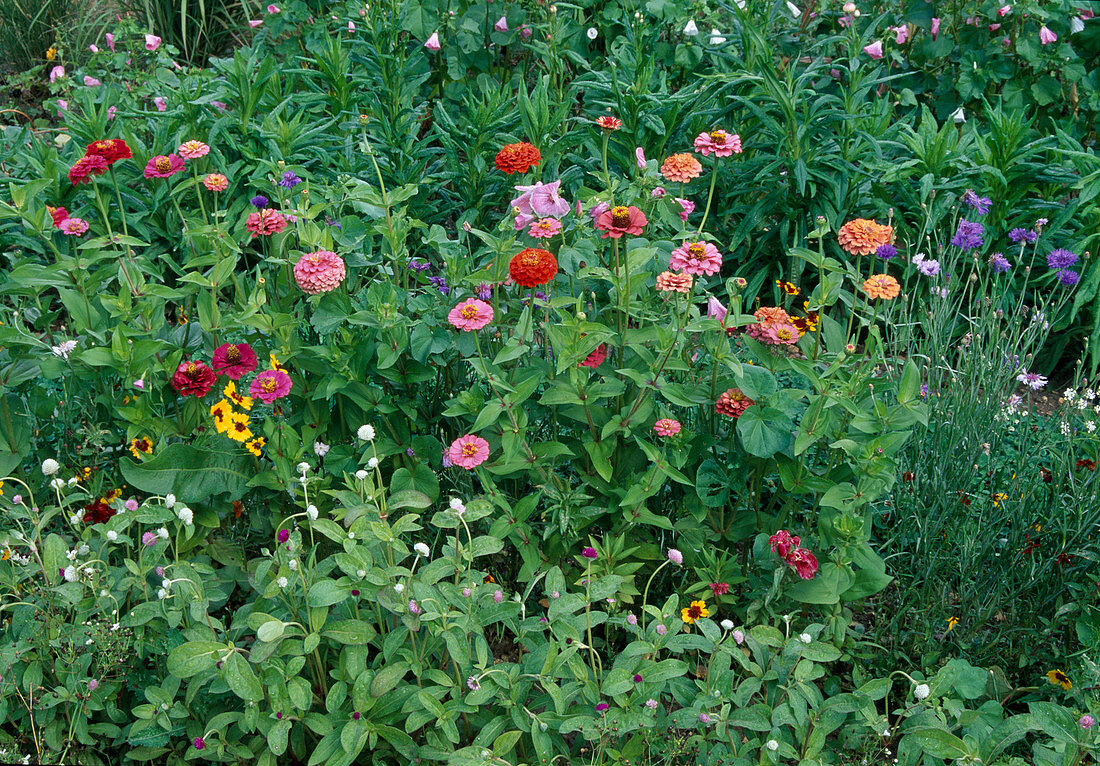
{"x": 589, "y": 553}
{"x": 416, "y": 265}
{"x": 284, "y": 535}
{"x": 1068, "y": 277}
{"x": 886, "y": 252}
{"x": 980, "y": 205}
{"x": 602, "y": 707}
{"x": 289, "y": 180}
{"x": 999, "y": 263}
{"x": 410, "y": 452}
{"x": 472, "y": 684}
{"x": 924, "y": 390}
{"x": 1032, "y": 380}
{"x": 1019, "y": 235}
{"x": 929, "y": 267}
{"x": 440, "y": 284}
{"x": 1060, "y": 258}
{"x": 484, "y": 292}
{"x": 969, "y": 235}
{"x": 259, "y": 201}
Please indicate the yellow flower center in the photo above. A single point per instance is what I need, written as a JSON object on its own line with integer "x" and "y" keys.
{"x": 268, "y": 385}
{"x": 620, "y": 216}
{"x": 697, "y": 250}
{"x": 469, "y": 312}
{"x": 163, "y": 164}
{"x": 784, "y": 333}
{"x": 469, "y": 449}
{"x": 190, "y": 368}
{"x": 233, "y": 354}
{"x": 718, "y": 135}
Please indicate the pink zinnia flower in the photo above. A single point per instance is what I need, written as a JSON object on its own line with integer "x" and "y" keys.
{"x": 640, "y": 156}
{"x": 160, "y": 103}
{"x": 874, "y": 50}
{"x": 666, "y": 427}
{"x": 781, "y": 334}
{"x": 270, "y": 385}
{"x": 540, "y": 201}
{"x": 935, "y": 27}
{"x": 621, "y": 220}
{"x": 718, "y": 142}
{"x": 164, "y": 166}
{"x": 545, "y": 228}
{"x": 265, "y": 222}
{"x": 57, "y": 73}
{"x": 216, "y": 182}
{"x": 1046, "y": 37}
{"x": 432, "y": 43}
{"x": 110, "y": 41}
{"x": 596, "y": 358}
{"x": 696, "y": 258}
{"x": 502, "y": 24}
{"x": 234, "y": 360}
{"x": 668, "y": 282}
{"x": 319, "y": 272}
{"x": 74, "y": 226}
{"x": 192, "y": 150}
{"x": 468, "y": 451}
{"x": 687, "y": 207}
{"x": 91, "y": 82}
{"x": 152, "y": 42}
{"x": 471, "y": 314}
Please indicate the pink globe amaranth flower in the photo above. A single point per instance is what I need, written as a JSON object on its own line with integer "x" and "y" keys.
{"x": 234, "y": 360}
{"x": 738, "y": 636}
{"x": 192, "y": 150}
{"x": 74, "y": 226}
{"x": 804, "y": 563}
{"x": 935, "y": 27}
{"x": 502, "y": 24}
{"x": 544, "y": 228}
{"x": 675, "y": 556}
{"x": 1086, "y": 721}
{"x": 696, "y": 258}
{"x": 270, "y": 385}
{"x": 93, "y": 685}
{"x": 590, "y": 553}
{"x": 498, "y": 596}
{"x": 874, "y": 50}
{"x": 432, "y": 43}
{"x": 1046, "y": 37}
{"x": 661, "y": 630}
{"x": 621, "y": 220}
{"x": 541, "y": 200}
{"x": 131, "y": 505}
{"x": 216, "y": 182}
{"x": 160, "y": 103}
{"x": 468, "y": 451}
{"x": 319, "y": 272}
{"x": 783, "y": 542}
{"x": 657, "y": 193}
{"x": 91, "y": 82}
{"x": 152, "y": 42}
{"x": 265, "y": 222}
{"x": 667, "y": 427}
{"x": 149, "y": 539}
{"x": 57, "y": 73}
{"x": 687, "y": 207}
{"x": 164, "y": 166}
{"x": 668, "y": 282}
{"x": 110, "y": 41}
{"x": 718, "y": 142}
{"x": 471, "y": 314}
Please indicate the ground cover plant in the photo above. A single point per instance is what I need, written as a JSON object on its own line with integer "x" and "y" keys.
{"x": 473, "y": 383}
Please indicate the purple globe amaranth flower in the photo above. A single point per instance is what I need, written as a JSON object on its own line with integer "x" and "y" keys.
{"x": 999, "y": 263}
{"x": 355, "y": 716}
{"x": 969, "y": 235}
{"x": 1068, "y": 277}
{"x": 1060, "y": 258}
{"x": 199, "y": 743}
{"x": 1086, "y": 721}
{"x": 704, "y": 718}
{"x": 498, "y": 596}
{"x": 637, "y": 678}
{"x": 980, "y": 205}
{"x": 284, "y": 535}
{"x": 1019, "y": 235}
{"x": 473, "y": 684}
{"x": 886, "y": 252}
{"x": 631, "y": 619}
{"x": 651, "y": 704}
{"x": 414, "y": 607}
{"x": 259, "y": 201}
{"x": 589, "y": 553}
{"x": 661, "y": 630}
{"x": 602, "y": 707}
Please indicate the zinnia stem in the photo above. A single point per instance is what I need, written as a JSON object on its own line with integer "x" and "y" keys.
{"x": 710, "y": 196}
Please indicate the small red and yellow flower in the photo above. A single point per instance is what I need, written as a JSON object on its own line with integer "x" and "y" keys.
{"x": 222, "y": 412}
{"x": 242, "y": 401}
{"x": 607, "y": 122}
{"x": 141, "y": 446}
{"x": 255, "y": 445}
{"x": 238, "y": 428}
{"x": 787, "y": 287}
{"x": 697, "y": 611}
{"x": 1058, "y": 678}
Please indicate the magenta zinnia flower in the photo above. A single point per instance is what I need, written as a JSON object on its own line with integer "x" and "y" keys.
{"x": 696, "y": 258}
{"x": 270, "y": 385}
{"x": 164, "y": 166}
{"x": 234, "y": 360}
{"x": 74, "y": 226}
{"x": 468, "y": 451}
{"x": 718, "y": 142}
{"x": 666, "y": 427}
{"x": 319, "y": 272}
{"x": 471, "y": 314}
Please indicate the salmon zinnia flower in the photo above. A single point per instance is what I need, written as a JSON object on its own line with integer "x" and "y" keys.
{"x": 681, "y": 167}
{"x": 697, "y": 611}
{"x": 718, "y": 142}
{"x": 861, "y": 236}
{"x": 696, "y": 258}
{"x": 192, "y": 150}
{"x": 621, "y": 220}
{"x": 270, "y": 385}
{"x": 265, "y": 222}
{"x": 216, "y": 182}
{"x": 882, "y": 286}
{"x": 319, "y": 272}
{"x": 471, "y": 314}
{"x": 468, "y": 451}
{"x": 667, "y": 282}
{"x": 732, "y": 403}
{"x": 532, "y": 267}
{"x": 768, "y": 317}
{"x": 517, "y": 158}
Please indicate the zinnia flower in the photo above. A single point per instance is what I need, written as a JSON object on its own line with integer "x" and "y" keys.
{"x": 216, "y": 182}
{"x": 766, "y": 318}
{"x": 192, "y": 150}
{"x": 874, "y": 50}
{"x": 681, "y": 168}
{"x": 882, "y": 286}
{"x": 544, "y": 228}
{"x": 74, "y": 226}
{"x": 668, "y": 282}
{"x": 696, "y": 258}
{"x": 468, "y": 451}
{"x": 58, "y": 214}
{"x": 86, "y": 166}
{"x": 164, "y": 166}
{"x": 319, "y": 272}
{"x": 782, "y": 542}
{"x": 621, "y": 220}
{"x": 432, "y": 43}
{"x": 539, "y": 201}
{"x": 265, "y": 222}
{"x": 234, "y": 360}
{"x": 697, "y": 611}
{"x": 532, "y": 267}
{"x": 110, "y": 149}
{"x": 596, "y": 358}
{"x": 718, "y": 142}
{"x": 471, "y": 314}
{"x": 667, "y": 427}
{"x": 861, "y": 236}
{"x": 732, "y": 403}
{"x": 270, "y": 385}
{"x": 517, "y": 158}
{"x": 193, "y": 379}
{"x": 607, "y": 122}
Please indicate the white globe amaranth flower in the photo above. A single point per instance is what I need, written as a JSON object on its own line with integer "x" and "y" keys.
{"x": 50, "y": 466}
{"x": 84, "y": 549}
{"x": 303, "y": 468}
{"x": 458, "y": 506}
{"x": 422, "y": 549}
{"x": 921, "y": 691}
{"x": 73, "y": 481}
{"x": 365, "y": 433}
{"x": 162, "y": 533}
{"x": 282, "y": 582}
{"x": 169, "y": 500}
{"x": 162, "y": 593}
{"x": 399, "y": 588}
{"x": 593, "y": 33}
{"x": 360, "y": 573}
{"x": 166, "y": 584}
{"x": 772, "y": 745}
{"x": 372, "y": 463}
{"x": 293, "y": 564}
{"x": 58, "y": 484}
{"x": 806, "y": 638}
{"x": 361, "y": 474}
{"x": 311, "y": 511}
{"x": 727, "y": 624}
{"x": 70, "y": 574}
{"x": 187, "y": 516}
{"x": 112, "y": 535}
{"x": 75, "y": 519}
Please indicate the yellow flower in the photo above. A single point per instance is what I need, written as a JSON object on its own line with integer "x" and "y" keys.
{"x": 999, "y": 498}
{"x": 787, "y": 287}
{"x": 222, "y": 413}
{"x": 51, "y": 53}
{"x": 1, "y": 487}
{"x": 255, "y": 445}
{"x": 5, "y": 555}
{"x": 230, "y": 391}
{"x": 697, "y": 611}
{"x": 238, "y": 428}
{"x": 1058, "y": 678}
{"x": 952, "y": 621}
{"x": 139, "y": 447}
{"x": 275, "y": 363}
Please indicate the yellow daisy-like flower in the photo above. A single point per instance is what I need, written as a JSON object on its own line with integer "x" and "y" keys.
{"x": 230, "y": 391}
{"x": 697, "y": 611}
{"x": 51, "y": 53}
{"x": 1058, "y": 678}
{"x": 787, "y": 287}
{"x": 952, "y": 621}
{"x": 222, "y": 412}
{"x": 139, "y": 447}
{"x": 999, "y": 498}
{"x": 5, "y": 554}
{"x": 238, "y": 428}
{"x": 274, "y": 362}
{"x": 255, "y": 445}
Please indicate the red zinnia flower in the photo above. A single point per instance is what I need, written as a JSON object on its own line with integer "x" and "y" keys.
{"x": 596, "y": 358}
{"x": 234, "y": 360}
{"x": 60, "y": 214}
{"x": 517, "y": 158}
{"x": 110, "y": 149}
{"x": 621, "y": 220}
{"x": 607, "y": 122}
{"x": 783, "y": 542}
{"x": 193, "y": 379}
{"x": 88, "y": 165}
{"x": 164, "y": 166}
{"x": 98, "y": 513}
{"x": 533, "y": 267}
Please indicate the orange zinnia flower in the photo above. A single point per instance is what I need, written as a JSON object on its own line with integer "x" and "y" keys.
{"x": 882, "y": 286}
{"x": 861, "y": 236}
{"x": 681, "y": 167}
{"x": 533, "y": 267}
{"x": 517, "y": 158}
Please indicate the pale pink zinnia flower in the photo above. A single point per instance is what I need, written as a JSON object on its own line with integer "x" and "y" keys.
{"x": 152, "y": 42}
{"x": 160, "y": 103}
{"x": 432, "y": 43}
{"x": 1046, "y": 37}
{"x": 57, "y": 73}
{"x": 192, "y": 150}
{"x": 718, "y": 142}
{"x": 696, "y": 258}
{"x": 668, "y": 282}
{"x": 874, "y": 50}
{"x": 545, "y": 228}
{"x": 471, "y": 314}
{"x": 319, "y": 272}
{"x": 468, "y": 451}
{"x": 666, "y": 427}
{"x": 74, "y": 226}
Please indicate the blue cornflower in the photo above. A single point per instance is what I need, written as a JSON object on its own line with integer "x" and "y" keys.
{"x": 1060, "y": 258}
{"x": 969, "y": 235}
{"x": 980, "y": 205}
{"x": 1068, "y": 277}
{"x": 1019, "y": 235}
{"x": 886, "y": 252}
{"x": 999, "y": 263}
{"x": 259, "y": 201}
{"x": 484, "y": 292}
